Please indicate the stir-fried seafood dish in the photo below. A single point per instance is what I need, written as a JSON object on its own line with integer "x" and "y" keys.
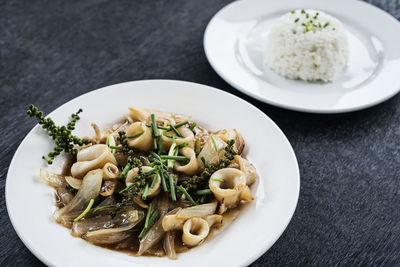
{"x": 155, "y": 184}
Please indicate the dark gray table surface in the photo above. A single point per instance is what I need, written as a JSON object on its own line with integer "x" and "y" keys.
{"x": 52, "y": 51}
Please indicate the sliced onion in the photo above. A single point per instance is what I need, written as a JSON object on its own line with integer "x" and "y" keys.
{"x": 107, "y": 201}
{"x": 169, "y": 245}
{"x": 81, "y": 227}
{"x": 64, "y": 196}
{"x": 115, "y": 235}
{"x": 54, "y": 180}
{"x": 228, "y": 134}
{"x": 197, "y": 211}
{"x": 102, "y": 219}
{"x": 73, "y": 182}
{"x": 154, "y": 235}
{"x": 211, "y": 152}
{"x": 161, "y": 203}
{"x": 104, "y": 207}
{"x": 180, "y": 203}
{"x": 176, "y": 221}
{"x": 89, "y": 190}
{"x": 162, "y": 115}
{"x": 126, "y": 216}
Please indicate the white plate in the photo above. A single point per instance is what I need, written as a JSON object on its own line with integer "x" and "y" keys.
{"x": 235, "y": 39}
{"x": 30, "y": 202}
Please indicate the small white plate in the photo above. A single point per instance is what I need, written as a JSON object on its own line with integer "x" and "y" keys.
{"x": 30, "y": 202}
{"x": 235, "y": 39}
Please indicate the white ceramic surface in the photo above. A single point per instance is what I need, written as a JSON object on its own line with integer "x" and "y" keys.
{"x": 30, "y": 202}
{"x": 234, "y": 44}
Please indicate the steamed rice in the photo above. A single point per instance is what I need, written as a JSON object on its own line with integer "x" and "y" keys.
{"x": 308, "y": 45}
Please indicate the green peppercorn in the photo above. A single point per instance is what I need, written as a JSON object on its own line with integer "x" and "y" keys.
{"x": 62, "y": 136}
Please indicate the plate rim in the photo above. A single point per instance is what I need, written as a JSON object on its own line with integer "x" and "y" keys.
{"x": 284, "y": 105}
{"x": 249, "y": 260}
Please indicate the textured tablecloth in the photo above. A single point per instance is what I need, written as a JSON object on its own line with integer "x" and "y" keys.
{"x": 52, "y": 51}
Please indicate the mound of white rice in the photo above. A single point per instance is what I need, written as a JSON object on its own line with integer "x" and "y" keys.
{"x": 307, "y": 44}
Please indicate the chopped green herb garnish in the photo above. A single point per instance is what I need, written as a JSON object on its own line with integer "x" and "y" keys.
{"x": 293, "y": 12}
{"x": 171, "y": 136}
{"x": 217, "y": 179}
{"x": 303, "y": 11}
{"x": 326, "y": 24}
{"x": 110, "y": 142}
{"x": 309, "y": 26}
{"x": 155, "y": 143}
{"x": 150, "y": 223}
{"x": 172, "y": 187}
{"x": 159, "y": 144}
{"x": 154, "y": 130}
{"x": 203, "y": 192}
{"x": 182, "y": 145}
{"x": 180, "y": 124}
{"x": 170, "y": 162}
{"x": 163, "y": 182}
{"x": 146, "y": 222}
{"x": 213, "y": 141}
{"x": 159, "y": 127}
{"x": 127, "y": 188}
{"x": 116, "y": 147}
{"x": 192, "y": 126}
{"x": 202, "y": 199}
{"x": 296, "y": 20}
{"x": 153, "y": 217}
{"x": 175, "y": 131}
{"x": 105, "y": 207}
{"x": 178, "y": 158}
{"x": 155, "y": 179}
{"x": 183, "y": 190}
{"x": 153, "y": 171}
{"x": 125, "y": 171}
{"x": 204, "y": 162}
{"x": 153, "y": 125}
{"x": 156, "y": 156}
{"x": 135, "y": 135}
{"x": 145, "y": 191}
{"x": 85, "y": 211}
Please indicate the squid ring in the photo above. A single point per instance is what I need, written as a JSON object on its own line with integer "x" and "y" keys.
{"x": 194, "y": 231}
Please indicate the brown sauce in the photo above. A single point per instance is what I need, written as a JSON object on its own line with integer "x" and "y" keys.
{"x": 131, "y": 244}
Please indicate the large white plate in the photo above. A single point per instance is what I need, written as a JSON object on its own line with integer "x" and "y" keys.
{"x": 30, "y": 202}
{"x": 235, "y": 39}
